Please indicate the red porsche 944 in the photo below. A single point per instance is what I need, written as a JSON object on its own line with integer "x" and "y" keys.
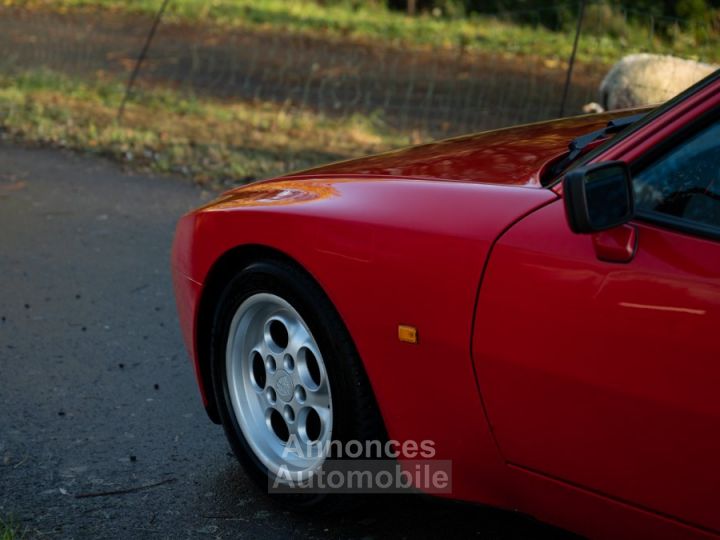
{"x": 534, "y": 306}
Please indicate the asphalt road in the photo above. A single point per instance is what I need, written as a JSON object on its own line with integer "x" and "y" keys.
{"x": 97, "y": 394}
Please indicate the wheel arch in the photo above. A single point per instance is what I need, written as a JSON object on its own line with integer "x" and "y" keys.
{"x": 220, "y": 273}
{"x": 223, "y": 269}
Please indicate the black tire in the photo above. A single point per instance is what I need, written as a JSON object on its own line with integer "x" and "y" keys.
{"x": 355, "y": 412}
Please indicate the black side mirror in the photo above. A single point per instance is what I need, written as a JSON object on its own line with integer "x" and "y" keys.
{"x": 598, "y": 197}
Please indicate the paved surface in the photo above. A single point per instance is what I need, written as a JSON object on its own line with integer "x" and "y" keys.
{"x": 96, "y": 391}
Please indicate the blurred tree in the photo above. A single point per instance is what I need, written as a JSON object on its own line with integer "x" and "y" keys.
{"x": 692, "y": 9}
{"x": 411, "y": 7}
{"x": 686, "y": 9}
{"x": 612, "y": 17}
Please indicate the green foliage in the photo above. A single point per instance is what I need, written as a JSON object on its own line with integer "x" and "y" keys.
{"x": 697, "y": 10}
{"x": 603, "y": 20}
{"x": 520, "y": 27}
{"x": 555, "y": 15}
{"x": 10, "y": 530}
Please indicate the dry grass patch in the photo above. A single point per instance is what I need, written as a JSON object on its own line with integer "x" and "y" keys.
{"x": 163, "y": 131}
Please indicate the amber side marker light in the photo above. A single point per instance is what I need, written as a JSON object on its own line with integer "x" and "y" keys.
{"x": 408, "y": 334}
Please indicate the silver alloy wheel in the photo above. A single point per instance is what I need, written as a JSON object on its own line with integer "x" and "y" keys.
{"x": 278, "y": 386}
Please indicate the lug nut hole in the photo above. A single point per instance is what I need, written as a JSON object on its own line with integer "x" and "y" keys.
{"x": 258, "y": 370}
{"x": 278, "y": 334}
{"x": 278, "y": 426}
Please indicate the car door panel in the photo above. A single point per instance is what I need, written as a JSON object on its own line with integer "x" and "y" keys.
{"x": 606, "y": 375}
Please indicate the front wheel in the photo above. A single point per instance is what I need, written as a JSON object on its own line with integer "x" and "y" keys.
{"x": 287, "y": 378}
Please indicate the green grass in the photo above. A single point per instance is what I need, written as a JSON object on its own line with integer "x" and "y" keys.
{"x": 164, "y": 131}
{"x": 10, "y": 530}
{"x": 374, "y": 23}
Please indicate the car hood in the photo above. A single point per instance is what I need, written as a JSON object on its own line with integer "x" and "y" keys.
{"x": 513, "y": 156}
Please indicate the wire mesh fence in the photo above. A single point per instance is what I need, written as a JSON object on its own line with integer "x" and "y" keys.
{"x": 424, "y": 91}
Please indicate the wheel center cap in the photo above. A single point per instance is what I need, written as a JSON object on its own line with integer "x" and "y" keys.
{"x": 283, "y": 385}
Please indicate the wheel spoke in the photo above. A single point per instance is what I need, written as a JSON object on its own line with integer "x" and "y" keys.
{"x": 299, "y": 337}
{"x": 317, "y": 399}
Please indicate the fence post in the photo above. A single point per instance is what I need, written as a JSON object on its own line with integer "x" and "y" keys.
{"x": 141, "y": 58}
{"x": 571, "y": 63}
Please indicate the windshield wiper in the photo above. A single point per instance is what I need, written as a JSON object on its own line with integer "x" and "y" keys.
{"x": 578, "y": 145}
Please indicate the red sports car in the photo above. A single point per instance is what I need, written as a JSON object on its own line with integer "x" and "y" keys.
{"x": 535, "y": 306}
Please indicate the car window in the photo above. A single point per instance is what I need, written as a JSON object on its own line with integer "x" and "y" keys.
{"x": 684, "y": 184}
